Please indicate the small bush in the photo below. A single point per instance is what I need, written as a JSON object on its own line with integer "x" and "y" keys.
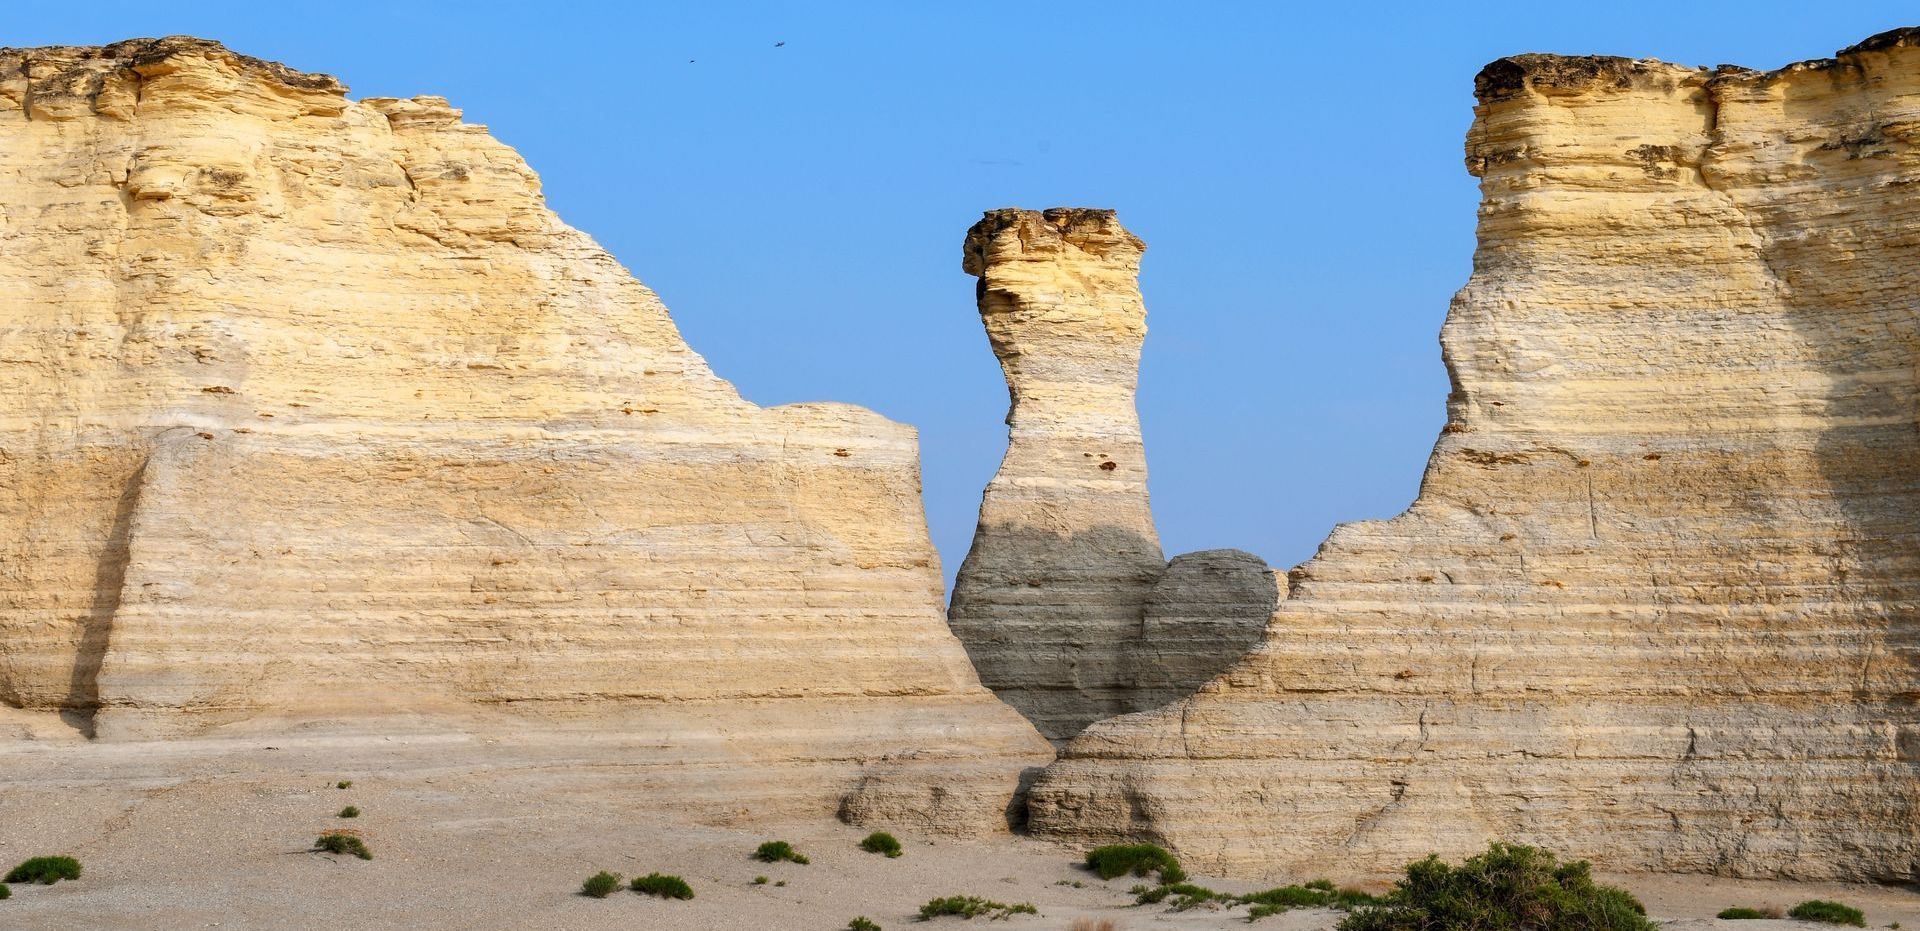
{"x": 601, "y": 884}
{"x": 1832, "y": 913}
{"x": 44, "y": 870}
{"x": 1739, "y": 913}
{"x": 778, "y": 883}
{"x": 342, "y": 842}
{"x": 1509, "y": 886}
{"x": 1138, "y": 859}
{"x": 344, "y": 784}
{"x": 349, "y": 812}
{"x": 665, "y": 887}
{"x": 1185, "y": 895}
{"x": 881, "y": 842}
{"x": 1320, "y": 893}
{"x": 759, "y": 880}
{"x": 973, "y": 906}
{"x": 862, "y": 924}
{"x": 5, "y": 893}
{"x": 774, "y": 851}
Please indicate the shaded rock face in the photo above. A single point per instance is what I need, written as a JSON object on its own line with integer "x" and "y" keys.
{"x": 1062, "y": 601}
{"x": 1655, "y": 603}
{"x": 316, "y": 414}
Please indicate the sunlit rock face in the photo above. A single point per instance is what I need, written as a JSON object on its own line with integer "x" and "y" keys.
{"x": 316, "y": 415}
{"x": 1655, "y": 603}
{"x": 1065, "y": 602}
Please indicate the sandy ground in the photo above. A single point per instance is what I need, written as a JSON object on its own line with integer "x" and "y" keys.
{"x": 222, "y": 841}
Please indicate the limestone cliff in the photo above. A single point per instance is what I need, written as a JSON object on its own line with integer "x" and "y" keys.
{"x": 1059, "y": 600}
{"x": 1655, "y": 603}
{"x": 315, "y": 413}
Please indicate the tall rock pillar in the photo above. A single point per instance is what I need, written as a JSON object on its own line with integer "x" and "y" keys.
{"x": 1056, "y": 583}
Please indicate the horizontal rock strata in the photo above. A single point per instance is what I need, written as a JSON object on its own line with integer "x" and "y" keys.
{"x": 316, "y": 414}
{"x": 1655, "y": 603}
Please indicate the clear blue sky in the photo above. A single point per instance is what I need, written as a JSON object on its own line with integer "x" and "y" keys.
{"x": 1295, "y": 169}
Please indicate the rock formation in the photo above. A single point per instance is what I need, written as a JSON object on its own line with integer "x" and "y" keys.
{"x": 315, "y": 413}
{"x": 1655, "y": 603}
{"x": 1053, "y": 600}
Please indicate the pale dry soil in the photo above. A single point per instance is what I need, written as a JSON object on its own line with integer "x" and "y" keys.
{"x": 479, "y": 834}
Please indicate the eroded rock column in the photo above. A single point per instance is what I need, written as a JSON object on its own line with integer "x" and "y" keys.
{"x": 1069, "y": 610}
{"x": 1058, "y": 575}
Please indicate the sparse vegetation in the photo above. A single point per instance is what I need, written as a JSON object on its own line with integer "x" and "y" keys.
{"x": 778, "y": 883}
{"x": 5, "y": 892}
{"x": 44, "y": 870}
{"x": 343, "y": 842}
{"x": 663, "y": 886}
{"x": 1833, "y": 913}
{"x": 774, "y": 851}
{"x": 344, "y": 784}
{"x": 759, "y": 880}
{"x": 1508, "y": 886}
{"x": 1741, "y": 913}
{"x": 881, "y": 842}
{"x": 601, "y": 884}
{"x": 349, "y": 812}
{"x": 973, "y": 906}
{"x": 1077, "y": 884}
{"x": 1320, "y": 893}
{"x": 1184, "y": 895}
{"x": 1090, "y": 924}
{"x": 1138, "y": 859}
{"x": 862, "y": 924}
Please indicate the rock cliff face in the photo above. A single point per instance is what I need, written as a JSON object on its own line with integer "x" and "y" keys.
{"x": 1060, "y": 600}
{"x": 315, "y": 413}
{"x": 1655, "y": 603}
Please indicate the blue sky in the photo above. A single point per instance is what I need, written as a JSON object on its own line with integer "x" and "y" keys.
{"x": 1294, "y": 168}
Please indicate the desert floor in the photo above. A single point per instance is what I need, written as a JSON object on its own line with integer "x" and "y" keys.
{"x": 178, "y": 839}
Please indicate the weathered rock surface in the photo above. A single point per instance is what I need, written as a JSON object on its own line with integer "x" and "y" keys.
{"x": 315, "y": 413}
{"x": 1655, "y": 603}
{"x": 1053, "y": 600}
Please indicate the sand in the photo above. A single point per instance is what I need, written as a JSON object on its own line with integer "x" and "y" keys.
{"x": 472, "y": 835}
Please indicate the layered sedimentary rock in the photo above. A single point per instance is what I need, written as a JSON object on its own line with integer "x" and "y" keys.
{"x": 1655, "y": 603}
{"x": 316, "y": 413}
{"x": 1053, "y": 598}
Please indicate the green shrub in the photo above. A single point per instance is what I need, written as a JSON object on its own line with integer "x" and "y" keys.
{"x": 778, "y": 883}
{"x": 349, "y": 812}
{"x": 881, "y": 842}
{"x": 666, "y": 887}
{"x": 774, "y": 851}
{"x": 5, "y": 893}
{"x": 1320, "y": 893}
{"x": 1185, "y": 895}
{"x": 862, "y": 924}
{"x": 1508, "y": 886}
{"x": 1737, "y": 913}
{"x": 601, "y": 884}
{"x": 344, "y": 784}
{"x": 44, "y": 870}
{"x": 1832, "y": 913}
{"x": 973, "y": 906}
{"x": 342, "y": 842}
{"x": 759, "y": 880}
{"x": 1138, "y": 859}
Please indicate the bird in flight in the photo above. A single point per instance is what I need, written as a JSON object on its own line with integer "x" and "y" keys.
{"x": 778, "y": 44}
